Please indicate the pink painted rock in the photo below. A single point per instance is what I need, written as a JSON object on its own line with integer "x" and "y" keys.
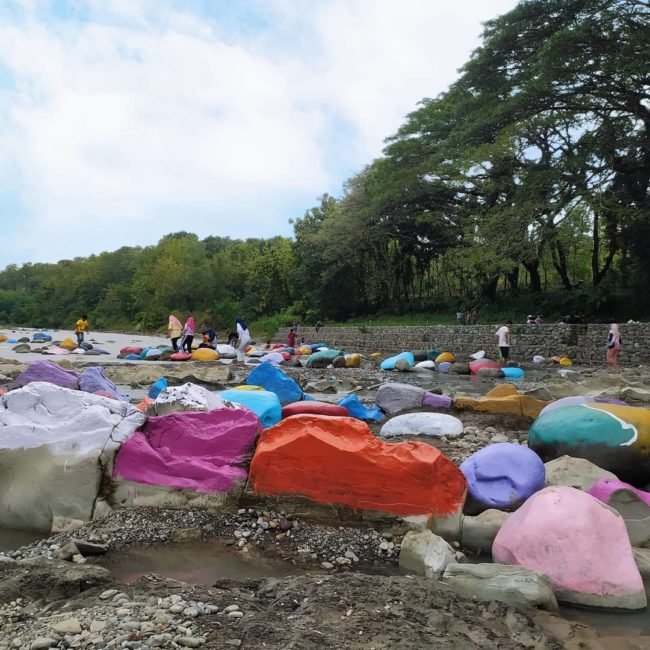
{"x": 49, "y": 372}
{"x": 201, "y": 451}
{"x": 579, "y": 543}
{"x": 632, "y": 504}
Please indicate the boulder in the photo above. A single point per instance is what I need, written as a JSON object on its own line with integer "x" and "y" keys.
{"x": 357, "y": 410}
{"x": 205, "y": 452}
{"x": 339, "y": 461}
{"x": 479, "y": 532}
{"x": 338, "y": 362}
{"x": 45, "y": 371}
{"x": 579, "y": 543}
{"x": 507, "y": 584}
{"x": 459, "y": 368}
{"x": 93, "y": 380}
{"x": 443, "y": 366}
{"x": 226, "y": 351}
{"x": 614, "y": 437}
{"x": 445, "y": 357}
{"x": 503, "y": 399}
{"x": 406, "y": 360}
{"x": 313, "y": 407}
{"x": 642, "y": 559}
{"x": 482, "y": 363}
{"x": 55, "y": 445}
{"x": 541, "y": 393}
{"x": 574, "y": 472}
{"x": 274, "y": 380}
{"x": 635, "y": 395}
{"x": 394, "y": 397}
{"x": 352, "y": 360}
{"x": 68, "y": 344}
{"x": 323, "y": 358}
{"x": 503, "y": 475}
{"x": 204, "y": 354}
{"x": 632, "y": 504}
{"x": 425, "y": 554}
{"x": 21, "y": 348}
{"x": 265, "y": 404}
{"x": 422, "y": 424}
{"x": 188, "y": 397}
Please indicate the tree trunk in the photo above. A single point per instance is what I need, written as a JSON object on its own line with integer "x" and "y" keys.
{"x": 558, "y": 255}
{"x": 535, "y": 277}
{"x": 513, "y": 278}
{"x": 489, "y": 288}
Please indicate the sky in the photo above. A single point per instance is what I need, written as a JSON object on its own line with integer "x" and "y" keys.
{"x": 124, "y": 120}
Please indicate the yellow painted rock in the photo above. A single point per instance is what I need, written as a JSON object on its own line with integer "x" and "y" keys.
{"x": 68, "y": 344}
{"x": 445, "y": 356}
{"x": 352, "y": 360}
{"x": 247, "y": 387}
{"x": 376, "y": 355}
{"x": 503, "y": 399}
{"x": 565, "y": 361}
{"x": 304, "y": 350}
{"x": 3, "y": 338}
{"x": 204, "y": 354}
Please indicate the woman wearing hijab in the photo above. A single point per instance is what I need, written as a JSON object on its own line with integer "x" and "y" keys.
{"x": 188, "y": 334}
{"x": 174, "y": 331}
{"x": 614, "y": 344}
{"x": 243, "y": 337}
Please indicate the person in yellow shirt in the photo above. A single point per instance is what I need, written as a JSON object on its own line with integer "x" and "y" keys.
{"x": 174, "y": 330}
{"x": 81, "y": 328}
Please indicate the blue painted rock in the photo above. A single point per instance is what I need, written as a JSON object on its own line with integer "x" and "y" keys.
{"x": 158, "y": 386}
{"x": 614, "y": 437}
{"x": 357, "y": 410}
{"x": 92, "y": 380}
{"x": 41, "y": 337}
{"x": 265, "y": 404}
{"x": 392, "y": 362}
{"x": 512, "y": 373}
{"x": 422, "y": 424}
{"x": 444, "y": 366}
{"x": 133, "y": 357}
{"x": 273, "y": 379}
{"x": 49, "y": 372}
{"x": 502, "y": 476}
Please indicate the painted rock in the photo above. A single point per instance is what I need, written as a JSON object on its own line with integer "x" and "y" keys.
{"x": 512, "y": 372}
{"x": 422, "y": 424}
{"x": 323, "y": 358}
{"x": 352, "y": 360}
{"x": 433, "y": 400}
{"x": 92, "y": 380}
{"x": 579, "y": 543}
{"x": 394, "y": 397}
{"x": 357, "y": 410}
{"x": 574, "y": 472}
{"x": 391, "y": 362}
{"x": 158, "y": 386}
{"x": 478, "y": 364}
{"x": 153, "y": 354}
{"x": 427, "y": 366}
{"x": 616, "y": 438}
{"x": 272, "y": 357}
{"x": 143, "y": 353}
{"x": 265, "y": 404}
{"x": 130, "y": 350}
{"x": 632, "y": 504}
{"x": 445, "y": 357}
{"x": 501, "y": 399}
{"x": 56, "y": 350}
{"x": 313, "y": 407}
{"x": 274, "y": 380}
{"x": 205, "y": 452}
{"x": 48, "y": 372}
{"x": 188, "y": 397}
{"x": 503, "y": 475}
{"x": 68, "y": 344}
{"x": 132, "y": 357}
{"x": 41, "y": 337}
{"x": 205, "y": 354}
{"x": 226, "y": 351}
{"x": 3, "y": 338}
{"x": 55, "y": 445}
{"x": 179, "y": 356}
{"x": 478, "y": 355}
{"x": 443, "y": 366}
{"x": 579, "y": 399}
{"x": 339, "y": 461}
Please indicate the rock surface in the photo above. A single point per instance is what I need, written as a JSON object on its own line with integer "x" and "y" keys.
{"x": 188, "y": 397}
{"x": 425, "y": 554}
{"x": 574, "y": 472}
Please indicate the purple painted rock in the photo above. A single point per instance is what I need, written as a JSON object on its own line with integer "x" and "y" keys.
{"x": 579, "y": 543}
{"x": 436, "y": 401}
{"x": 502, "y": 475}
{"x": 201, "y": 451}
{"x": 632, "y": 504}
{"x": 93, "y": 380}
{"x": 49, "y": 372}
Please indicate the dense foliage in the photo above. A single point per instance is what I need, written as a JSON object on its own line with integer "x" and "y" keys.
{"x": 525, "y": 185}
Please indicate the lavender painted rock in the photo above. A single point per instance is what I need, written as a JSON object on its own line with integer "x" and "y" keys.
{"x": 49, "y": 372}
{"x": 502, "y": 475}
{"x": 93, "y": 380}
{"x": 393, "y": 397}
{"x": 273, "y": 379}
{"x": 632, "y": 504}
{"x": 436, "y": 401}
{"x": 579, "y": 543}
{"x": 201, "y": 451}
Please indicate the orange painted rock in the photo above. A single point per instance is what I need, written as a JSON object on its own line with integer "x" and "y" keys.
{"x": 68, "y": 344}
{"x": 340, "y": 461}
{"x": 312, "y": 407}
{"x": 503, "y": 398}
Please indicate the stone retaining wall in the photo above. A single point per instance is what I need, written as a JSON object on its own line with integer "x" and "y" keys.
{"x": 584, "y": 344}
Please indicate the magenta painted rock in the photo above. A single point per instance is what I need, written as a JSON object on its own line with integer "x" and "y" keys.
{"x": 49, "y": 372}
{"x": 579, "y": 543}
{"x": 201, "y": 451}
{"x": 503, "y": 475}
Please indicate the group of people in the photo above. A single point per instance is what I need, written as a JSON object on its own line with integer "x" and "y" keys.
{"x": 534, "y": 319}
{"x": 182, "y": 336}
{"x": 467, "y": 316}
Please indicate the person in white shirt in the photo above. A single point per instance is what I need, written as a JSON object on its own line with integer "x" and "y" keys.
{"x": 243, "y": 338}
{"x": 503, "y": 338}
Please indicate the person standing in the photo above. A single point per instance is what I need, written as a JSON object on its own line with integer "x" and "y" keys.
{"x": 188, "y": 334}
{"x": 291, "y": 338}
{"x": 243, "y": 338}
{"x": 614, "y": 344}
{"x": 503, "y": 341}
{"x": 81, "y": 328}
{"x": 174, "y": 331}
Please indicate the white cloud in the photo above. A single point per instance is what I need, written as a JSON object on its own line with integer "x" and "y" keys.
{"x": 142, "y": 120}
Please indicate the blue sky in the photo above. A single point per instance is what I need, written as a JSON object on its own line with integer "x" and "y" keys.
{"x": 124, "y": 120}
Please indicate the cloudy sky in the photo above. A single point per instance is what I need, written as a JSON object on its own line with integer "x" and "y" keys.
{"x": 124, "y": 120}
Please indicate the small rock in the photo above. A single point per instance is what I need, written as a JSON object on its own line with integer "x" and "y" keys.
{"x": 69, "y": 626}
{"x": 235, "y": 614}
{"x": 42, "y": 642}
{"x": 328, "y": 566}
{"x": 231, "y": 608}
{"x": 97, "y": 626}
{"x": 191, "y": 612}
{"x": 189, "y": 641}
{"x": 109, "y": 593}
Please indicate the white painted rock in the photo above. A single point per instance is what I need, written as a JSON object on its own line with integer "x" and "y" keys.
{"x": 54, "y": 443}
{"x": 188, "y": 397}
{"x": 226, "y": 351}
{"x": 478, "y": 355}
{"x": 425, "y": 554}
{"x": 572, "y": 472}
{"x": 424, "y": 366}
{"x": 581, "y": 544}
{"x": 422, "y": 424}
{"x": 507, "y": 584}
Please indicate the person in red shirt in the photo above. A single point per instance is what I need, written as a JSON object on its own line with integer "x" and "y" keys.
{"x": 291, "y": 339}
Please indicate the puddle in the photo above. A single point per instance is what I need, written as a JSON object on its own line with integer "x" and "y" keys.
{"x": 11, "y": 539}
{"x": 199, "y": 563}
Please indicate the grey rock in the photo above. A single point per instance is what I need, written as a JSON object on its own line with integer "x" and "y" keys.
{"x": 578, "y": 473}
{"x": 425, "y": 554}
{"x": 42, "y": 642}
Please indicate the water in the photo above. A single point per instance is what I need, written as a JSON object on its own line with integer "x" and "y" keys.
{"x": 10, "y": 539}
{"x": 195, "y": 563}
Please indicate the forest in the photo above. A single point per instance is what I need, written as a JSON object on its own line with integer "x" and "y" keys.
{"x": 524, "y": 187}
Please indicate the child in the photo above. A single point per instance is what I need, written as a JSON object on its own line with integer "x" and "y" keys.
{"x": 81, "y": 328}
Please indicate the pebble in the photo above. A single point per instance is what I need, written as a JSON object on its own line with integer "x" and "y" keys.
{"x": 235, "y": 614}
{"x": 109, "y": 593}
{"x": 42, "y": 642}
{"x": 189, "y": 641}
{"x": 231, "y": 608}
{"x": 328, "y": 566}
{"x": 191, "y": 612}
{"x": 69, "y": 626}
